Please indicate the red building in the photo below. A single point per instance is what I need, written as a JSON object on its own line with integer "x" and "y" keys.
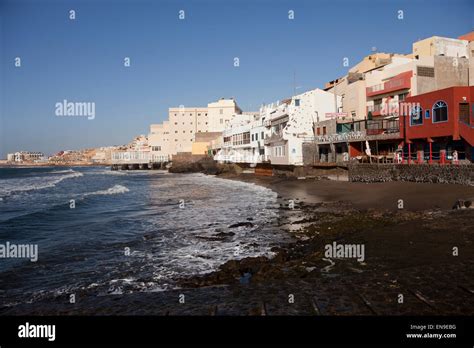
{"x": 439, "y": 125}
{"x": 386, "y": 96}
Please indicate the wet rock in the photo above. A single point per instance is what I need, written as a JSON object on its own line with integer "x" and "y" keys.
{"x": 241, "y": 224}
{"x": 225, "y": 234}
{"x": 211, "y": 238}
{"x": 463, "y": 204}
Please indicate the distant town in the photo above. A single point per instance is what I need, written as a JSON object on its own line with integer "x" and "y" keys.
{"x": 389, "y": 108}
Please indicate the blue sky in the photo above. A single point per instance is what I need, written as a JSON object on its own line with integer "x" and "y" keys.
{"x": 188, "y": 61}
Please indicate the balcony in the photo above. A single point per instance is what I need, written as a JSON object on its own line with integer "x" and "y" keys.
{"x": 385, "y": 109}
{"x": 381, "y": 129}
{"x": 399, "y": 82}
{"x": 376, "y": 127}
{"x": 275, "y": 137}
{"x": 376, "y": 110}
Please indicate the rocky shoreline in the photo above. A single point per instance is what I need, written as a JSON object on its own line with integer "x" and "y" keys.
{"x": 400, "y": 244}
{"x": 408, "y": 256}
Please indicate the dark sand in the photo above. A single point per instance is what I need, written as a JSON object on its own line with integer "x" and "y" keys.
{"x": 415, "y": 196}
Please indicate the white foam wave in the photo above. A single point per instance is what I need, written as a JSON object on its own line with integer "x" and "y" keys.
{"x": 63, "y": 171}
{"x": 12, "y": 186}
{"x": 110, "y": 191}
{"x": 110, "y": 172}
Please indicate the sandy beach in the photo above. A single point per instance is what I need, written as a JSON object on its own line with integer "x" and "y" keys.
{"x": 415, "y": 196}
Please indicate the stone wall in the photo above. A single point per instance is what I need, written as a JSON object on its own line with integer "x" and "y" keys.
{"x": 462, "y": 174}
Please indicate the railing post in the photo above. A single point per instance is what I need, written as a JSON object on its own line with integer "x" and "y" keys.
{"x": 419, "y": 156}
{"x": 431, "y": 153}
{"x": 409, "y": 153}
{"x": 442, "y": 157}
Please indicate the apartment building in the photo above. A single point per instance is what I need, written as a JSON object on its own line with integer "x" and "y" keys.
{"x": 184, "y": 123}
{"x": 352, "y": 87}
{"x": 25, "y": 156}
{"x": 436, "y": 63}
{"x": 221, "y": 113}
{"x": 177, "y": 134}
{"x": 242, "y": 139}
{"x": 293, "y": 121}
{"x": 469, "y": 37}
{"x": 159, "y": 141}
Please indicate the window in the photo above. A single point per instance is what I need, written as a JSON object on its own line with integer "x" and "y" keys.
{"x": 221, "y": 112}
{"x": 416, "y": 116}
{"x": 246, "y": 138}
{"x": 324, "y": 130}
{"x": 176, "y": 131}
{"x": 199, "y": 114}
{"x": 402, "y": 97}
{"x": 222, "y": 121}
{"x": 253, "y": 137}
{"x": 464, "y": 112}
{"x": 190, "y": 114}
{"x": 427, "y": 114}
{"x": 440, "y": 112}
{"x": 176, "y": 123}
{"x": 256, "y": 136}
{"x": 318, "y": 131}
{"x": 297, "y": 102}
{"x": 156, "y": 148}
{"x": 262, "y": 135}
{"x": 190, "y": 131}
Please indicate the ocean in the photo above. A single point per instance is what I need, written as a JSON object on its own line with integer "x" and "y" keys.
{"x": 118, "y": 232}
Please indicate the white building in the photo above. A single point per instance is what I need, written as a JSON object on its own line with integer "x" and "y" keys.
{"x": 243, "y": 140}
{"x": 177, "y": 134}
{"x": 137, "y": 152}
{"x": 277, "y": 132}
{"x": 292, "y": 122}
{"x": 25, "y": 156}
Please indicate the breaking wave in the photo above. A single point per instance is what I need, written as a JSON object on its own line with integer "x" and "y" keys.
{"x": 116, "y": 189}
{"x": 13, "y": 186}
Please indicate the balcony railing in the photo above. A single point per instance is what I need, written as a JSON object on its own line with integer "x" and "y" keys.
{"x": 385, "y": 109}
{"x": 375, "y": 127}
{"x": 396, "y": 83}
{"x": 375, "y": 108}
